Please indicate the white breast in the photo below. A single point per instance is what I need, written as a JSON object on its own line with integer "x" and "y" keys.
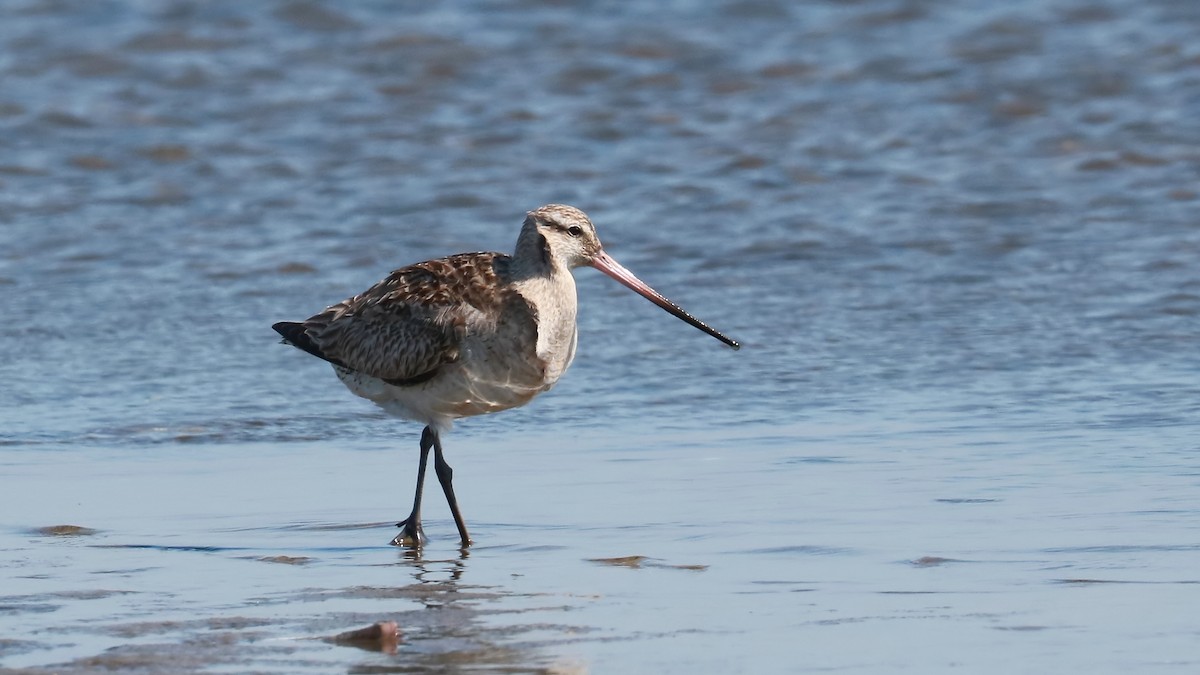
{"x": 555, "y": 301}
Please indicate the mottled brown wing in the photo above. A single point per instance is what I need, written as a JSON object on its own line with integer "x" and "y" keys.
{"x": 406, "y": 327}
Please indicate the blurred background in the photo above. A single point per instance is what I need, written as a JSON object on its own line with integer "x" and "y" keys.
{"x": 957, "y": 239}
{"x": 990, "y": 203}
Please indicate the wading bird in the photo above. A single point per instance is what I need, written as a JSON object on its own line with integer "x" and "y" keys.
{"x": 470, "y": 334}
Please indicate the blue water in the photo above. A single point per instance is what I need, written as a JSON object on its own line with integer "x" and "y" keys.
{"x": 958, "y": 242}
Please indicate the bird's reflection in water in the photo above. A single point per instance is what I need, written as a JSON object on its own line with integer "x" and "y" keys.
{"x": 451, "y": 628}
{"x": 428, "y": 570}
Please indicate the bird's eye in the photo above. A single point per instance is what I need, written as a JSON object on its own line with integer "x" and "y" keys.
{"x": 574, "y": 230}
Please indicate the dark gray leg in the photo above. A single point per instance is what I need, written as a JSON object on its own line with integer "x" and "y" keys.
{"x": 446, "y": 477}
{"x": 413, "y": 536}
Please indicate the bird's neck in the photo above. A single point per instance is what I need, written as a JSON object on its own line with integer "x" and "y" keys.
{"x": 533, "y": 258}
{"x": 553, "y": 300}
{"x": 542, "y": 278}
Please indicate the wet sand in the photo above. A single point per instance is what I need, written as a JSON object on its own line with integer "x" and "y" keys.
{"x": 231, "y": 558}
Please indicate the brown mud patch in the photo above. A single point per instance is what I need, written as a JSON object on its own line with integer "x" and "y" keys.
{"x": 640, "y": 561}
{"x": 63, "y": 531}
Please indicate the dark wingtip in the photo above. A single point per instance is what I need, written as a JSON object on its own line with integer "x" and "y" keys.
{"x": 295, "y": 335}
{"x": 291, "y": 331}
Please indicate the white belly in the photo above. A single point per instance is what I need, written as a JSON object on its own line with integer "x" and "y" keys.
{"x": 482, "y": 381}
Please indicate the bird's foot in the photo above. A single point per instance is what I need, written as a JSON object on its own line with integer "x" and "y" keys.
{"x": 412, "y": 535}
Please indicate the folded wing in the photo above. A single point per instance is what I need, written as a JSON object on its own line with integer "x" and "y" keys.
{"x": 404, "y": 329}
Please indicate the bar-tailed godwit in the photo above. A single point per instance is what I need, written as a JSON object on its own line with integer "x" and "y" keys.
{"x": 470, "y": 334}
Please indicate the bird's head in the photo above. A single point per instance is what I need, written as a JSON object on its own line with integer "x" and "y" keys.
{"x": 567, "y": 236}
{"x": 564, "y": 237}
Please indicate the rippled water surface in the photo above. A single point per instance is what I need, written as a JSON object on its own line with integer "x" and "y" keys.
{"x": 958, "y": 241}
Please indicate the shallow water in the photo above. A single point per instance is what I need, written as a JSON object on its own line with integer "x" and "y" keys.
{"x": 957, "y": 240}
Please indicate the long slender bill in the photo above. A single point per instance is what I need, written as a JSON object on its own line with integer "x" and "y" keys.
{"x": 604, "y": 262}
